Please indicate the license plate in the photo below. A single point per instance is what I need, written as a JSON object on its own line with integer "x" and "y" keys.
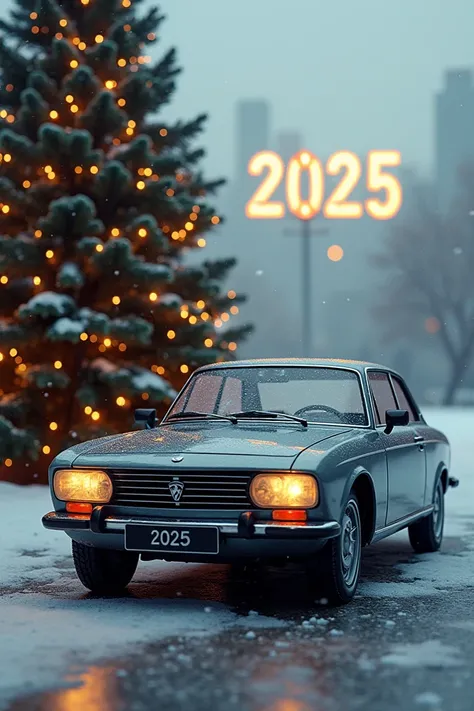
{"x": 175, "y": 538}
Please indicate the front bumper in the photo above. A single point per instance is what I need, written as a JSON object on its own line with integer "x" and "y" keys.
{"x": 246, "y": 527}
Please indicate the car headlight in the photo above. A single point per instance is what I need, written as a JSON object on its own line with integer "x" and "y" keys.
{"x": 284, "y": 491}
{"x": 87, "y": 485}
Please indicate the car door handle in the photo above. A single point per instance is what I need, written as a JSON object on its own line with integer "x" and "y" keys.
{"x": 418, "y": 438}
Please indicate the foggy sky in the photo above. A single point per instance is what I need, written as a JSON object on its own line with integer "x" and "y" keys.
{"x": 350, "y": 75}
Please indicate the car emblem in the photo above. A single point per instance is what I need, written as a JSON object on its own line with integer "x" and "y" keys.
{"x": 176, "y": 490}
{"x": 176, "y": 459}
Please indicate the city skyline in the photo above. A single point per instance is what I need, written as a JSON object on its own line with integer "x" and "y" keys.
{"x": 345, "y": 76}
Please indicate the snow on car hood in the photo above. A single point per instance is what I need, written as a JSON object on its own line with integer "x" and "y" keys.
{"x": 258, "y": 439}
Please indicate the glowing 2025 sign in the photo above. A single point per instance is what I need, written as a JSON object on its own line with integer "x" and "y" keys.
{"x": 337, "y": 205}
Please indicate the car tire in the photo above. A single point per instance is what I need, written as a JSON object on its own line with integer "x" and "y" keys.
{"x": 426, "y": 535}
{"x": 103, "y": 571}
{"x": 334, "y": 575}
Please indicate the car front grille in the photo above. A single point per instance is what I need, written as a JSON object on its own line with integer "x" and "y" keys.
{"x": 201, "y": 489}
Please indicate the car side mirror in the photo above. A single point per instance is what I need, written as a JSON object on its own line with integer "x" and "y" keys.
{"x": 146, "y": 415}
{"x": 395, "y": 418}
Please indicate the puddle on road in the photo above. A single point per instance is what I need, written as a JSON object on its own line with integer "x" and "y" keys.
{"x": 293, "y": 670}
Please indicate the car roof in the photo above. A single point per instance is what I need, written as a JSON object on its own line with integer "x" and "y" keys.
{"x": 359, "y": 365}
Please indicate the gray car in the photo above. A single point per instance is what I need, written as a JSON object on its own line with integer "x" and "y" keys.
{"x": 269, "y": 460}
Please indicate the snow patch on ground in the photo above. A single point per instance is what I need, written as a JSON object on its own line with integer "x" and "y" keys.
{"x": 27, "y": 551}
{"x": 431, "y": 654}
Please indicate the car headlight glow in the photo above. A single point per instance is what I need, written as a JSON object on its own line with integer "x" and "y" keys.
{"x": 284, "y": 491}
{"x": 87, "y": 485}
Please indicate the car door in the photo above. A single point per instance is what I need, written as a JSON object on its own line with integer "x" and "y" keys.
{"x": 405, "y": 453}
{"x": 422, "y": 434}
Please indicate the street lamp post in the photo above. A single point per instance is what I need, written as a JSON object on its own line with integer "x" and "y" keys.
{"x": 306, "y": 284}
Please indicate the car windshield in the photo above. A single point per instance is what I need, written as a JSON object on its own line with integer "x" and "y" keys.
{"x": 323, "y": 395}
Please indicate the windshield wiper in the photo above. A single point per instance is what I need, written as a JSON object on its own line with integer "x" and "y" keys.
{"x": 204, "y": 415}
{"x": 268, "y": 413}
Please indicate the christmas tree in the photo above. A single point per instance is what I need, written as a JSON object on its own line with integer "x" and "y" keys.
{"x": 100, "y": 201}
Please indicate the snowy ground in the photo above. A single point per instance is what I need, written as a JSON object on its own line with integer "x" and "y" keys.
{"x": 45, "y": 613}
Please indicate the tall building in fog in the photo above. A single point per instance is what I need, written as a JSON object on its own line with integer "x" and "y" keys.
{"x": 454, "y": 130}
{"x": 253, "y": 132}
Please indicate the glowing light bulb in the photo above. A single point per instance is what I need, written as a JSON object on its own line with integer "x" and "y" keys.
{"x": 107, "y": 342}
{"x": 49, "y": 254}
{"x": 73, "y": 63}
{"x": 63, "y": 22}
{"x": 208, "y": 343}
{"x": 171, "y": 334}
{"x": 140, "y": 185}
{"x": 116, "y": 300}
{"x": 99, "y": 248}
{"x": 201, "y": 242}
{"x": 99, "y": 38}
{"x": 94, "y": 169}
{"x": 53, "y": 426}
{"x": 184, "y": 368}
{"x": 142, "y": 232}
{"x": 88, "y": 410}
{"x": 95, "y": 415}
{"x": 53, "y": 114}
{"x": 215, "y": 220}
{"x": 57, "y": 364}
{"x": 120, "y": 401}
{"x": 153, "y": 296}
{"x": 36, "y": 280}
{"x": 46, "y": 449}
{"x": 83, "y": 336}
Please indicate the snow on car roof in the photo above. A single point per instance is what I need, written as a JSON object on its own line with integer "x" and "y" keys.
{"x": 359, "y": 365}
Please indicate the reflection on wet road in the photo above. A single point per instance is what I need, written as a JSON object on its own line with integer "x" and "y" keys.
{"x": 381, "y": 653}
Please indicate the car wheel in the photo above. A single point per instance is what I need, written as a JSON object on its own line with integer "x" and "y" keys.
{"x": 334, "y": 575}
{"x": 426, "y": 535}
{"x": 103, "y": 571}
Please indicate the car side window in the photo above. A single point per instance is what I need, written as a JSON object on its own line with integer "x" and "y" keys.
{"x": 403, "y": 400}
{"x": 382, "y": 394}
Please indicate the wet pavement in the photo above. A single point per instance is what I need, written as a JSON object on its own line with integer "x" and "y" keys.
{"x": 393, "y": 651}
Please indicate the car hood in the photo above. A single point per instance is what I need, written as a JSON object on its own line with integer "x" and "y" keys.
{"x": 205, "y": 438}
